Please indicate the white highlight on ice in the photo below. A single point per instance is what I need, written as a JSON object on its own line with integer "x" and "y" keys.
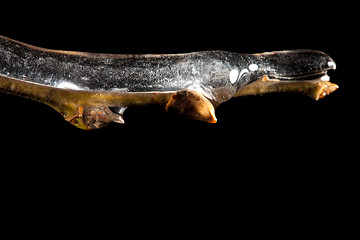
{"x": 253, "y": 67}
{"x": 244, "y": 71}
{"x": 67, "y": 85}
{"x": 325, "y": 78}
{"x": 234, "y": 74}
{"x": 331, "y": 64}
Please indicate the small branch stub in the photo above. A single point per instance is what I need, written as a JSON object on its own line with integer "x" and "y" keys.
{"x": 192, "y": 105}
{"x": 98, "y": 117}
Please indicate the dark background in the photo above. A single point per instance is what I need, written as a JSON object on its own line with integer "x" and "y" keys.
{"x": 276, "y": 154}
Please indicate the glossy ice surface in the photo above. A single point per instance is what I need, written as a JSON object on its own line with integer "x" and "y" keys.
{"x": 216, "y": 74}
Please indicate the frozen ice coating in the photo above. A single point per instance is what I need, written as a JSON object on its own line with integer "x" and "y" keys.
{"x": 204, "y": 71}
{"x": 188, "y": 80}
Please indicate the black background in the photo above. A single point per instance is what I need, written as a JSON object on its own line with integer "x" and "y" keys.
{"x": 276, "y": 155}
